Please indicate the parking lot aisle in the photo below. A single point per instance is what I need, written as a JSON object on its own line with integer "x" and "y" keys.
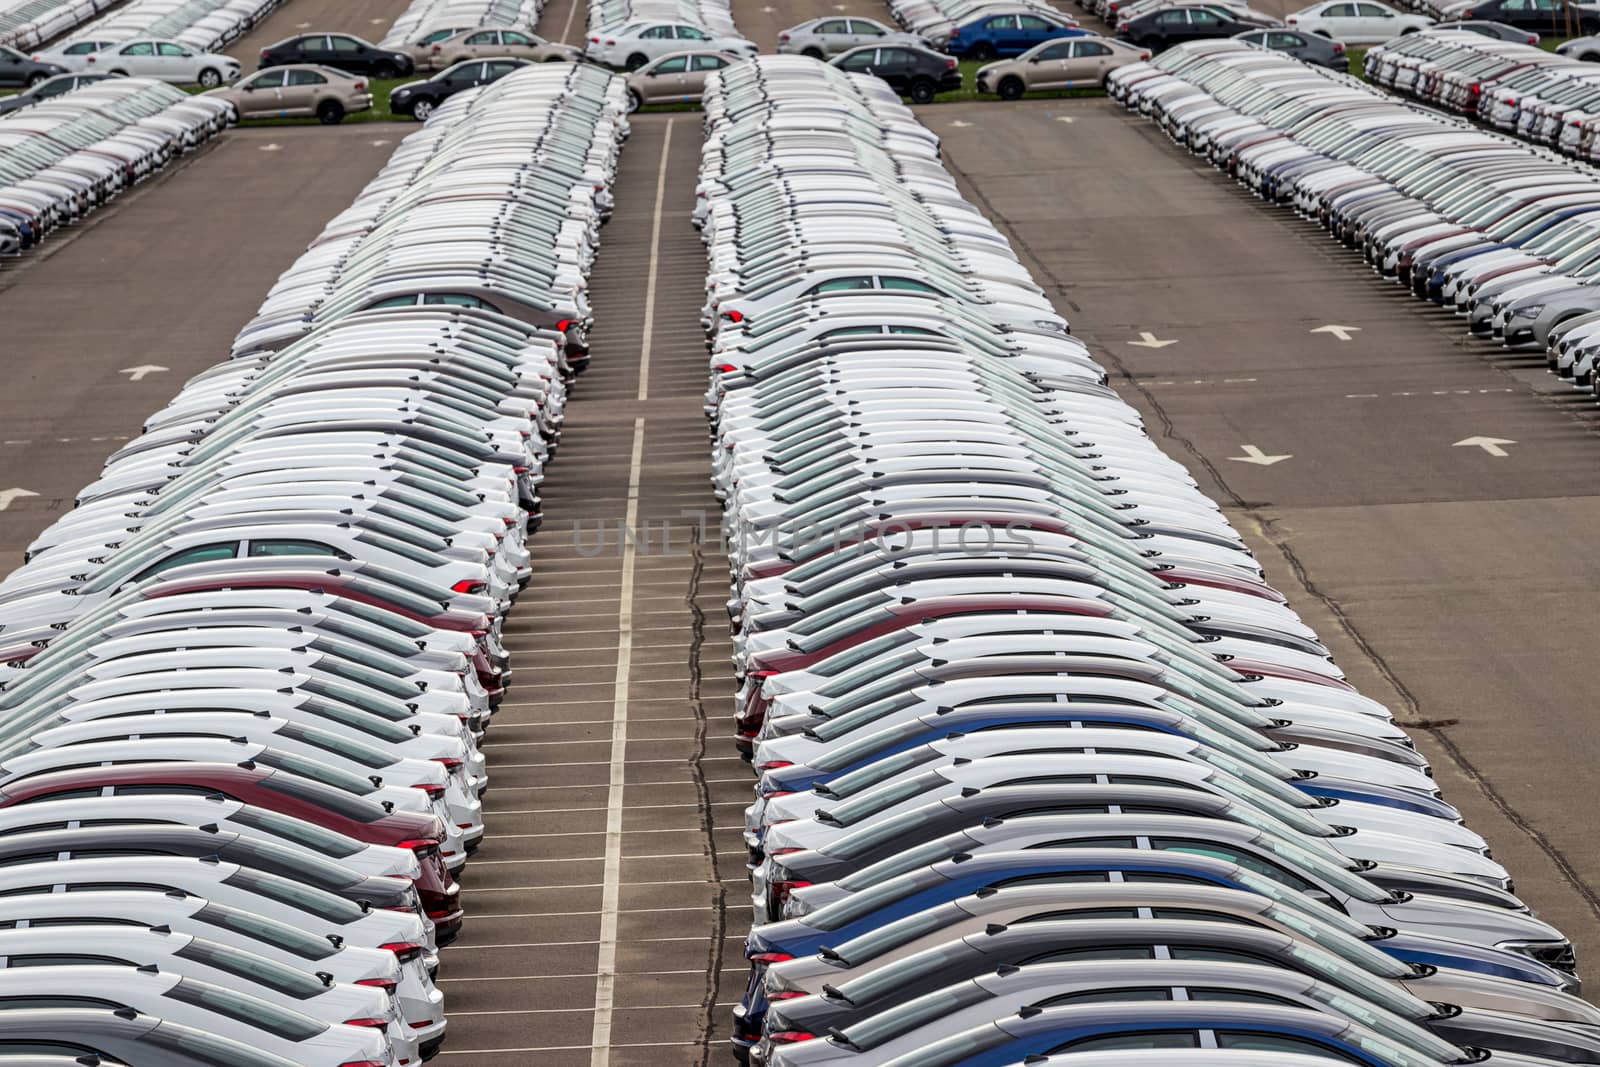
{"x": 563, "y": 21}
{"x": 1452, "y": 583}
{"x": 174, "y": 267}
{"x": 367, "y": 19}
{"x": 762, "y": 20}
{"x": 595, "y": 929}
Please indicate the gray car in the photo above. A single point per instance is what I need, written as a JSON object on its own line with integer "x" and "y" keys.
{"x": 827, "y": 37}
{"x": 126, "y": 1037}
{"x": 1310, "y": 48}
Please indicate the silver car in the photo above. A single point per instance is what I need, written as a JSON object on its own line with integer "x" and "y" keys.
{"x": 827, "y": 37}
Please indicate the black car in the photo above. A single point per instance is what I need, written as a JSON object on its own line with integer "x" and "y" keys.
{"x": 910, "y": 71}
{"x": 44, "y": 90}
{"x": 17, "y": 69}
{"x": 339, "y": 51}
{"x": 1174, "y": 25}
{"x": 1499, "y": 31}
{"x": 418, "y": 99}
{"x": 1306, "y": 47}
{"x": 1544, "y": 16}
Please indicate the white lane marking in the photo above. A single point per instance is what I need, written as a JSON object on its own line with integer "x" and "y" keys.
{"x": 1149, "y": 340}
{"x": 1341, "y": 332}
{"x": 497, "y": 812}
{"x": 8, "y": 495}
{"x": 605, "y": 986}
{"x": 1252, "y": 454}
{"x": 273, "y": 147}
{"x": 142, "y": 371}
{"x": 650, "y": 285}
{"x": 1490, "y": 445}
{"x": 566, "y": 31}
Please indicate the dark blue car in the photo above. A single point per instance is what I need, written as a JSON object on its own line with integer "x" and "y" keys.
{"x": 994, "y": 36}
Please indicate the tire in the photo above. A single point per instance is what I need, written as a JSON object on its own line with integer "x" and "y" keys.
{"x": 118, "y": 73}
{"x": 35, "y": 79}
{"x": 634, "y": 103}
{"x": 422, "y": 109}
{"x": 1323, "y": 33}
{"x": 385, "y": 70}
{"x": 1589, "y": 57}
{"x": 210, "y": 78}
{"x": 983, "y": 52}
{"x": 1408, "y": 31}
{"x": 923, "y": 91}
{"x": 635, "y": 61}
{"x": 330, "y": 112}
{"x": 812, "y": 53}
{"x": 1010, "y": 88}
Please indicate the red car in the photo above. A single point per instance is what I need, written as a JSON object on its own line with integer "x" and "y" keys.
{"x": 278, "y": 791}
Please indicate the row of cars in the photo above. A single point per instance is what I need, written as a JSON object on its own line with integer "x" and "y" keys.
{"x": 1504, "y": 234}
{"x": 627, "y": 34}
{"x": 63, "y": 158}
{"x": 1548, "y": 99}
{"x": 246, "y": 677}
{"x": 27, "y": 24}
{"x": 1047, "y": 771}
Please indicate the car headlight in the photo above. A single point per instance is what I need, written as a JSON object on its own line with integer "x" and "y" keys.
{"x": 1049, "y": 324}
{"x": 1529, "y": 312}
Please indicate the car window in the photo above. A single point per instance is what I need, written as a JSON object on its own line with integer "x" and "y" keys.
{"x": 1203, "y": 18}
{"x": 481, "y": 38}
{"x": 656, "y": 33}
{"x": 1173, "y": 18}
{"x": 889, "y": 56}
{"x": 1279, "y": 1043}
{"x": 673, "y": 65}
{"x": 170, "y": 50}
{"x": 864, "y": 28}
{"x": 267, "y": 79}
{"x": 709, "y": 62}
{"x": 142, "y": 48}
{"x": 841, "y": 285}
{"x": 1002, "y": 22}
{"x": 907, "y": 285}
{"x": 306, "y": 77}
{"x": 1098, "y": 952}
{"x": 1339, "y": 11}
{"x": 275, "y": 547}
{"x": 689, "y": 33}
{"x": 344, "y": 44}
{"x": 317, "y": 43}
{"x": 1061, "y": 50}
{"x": 437, "y": 36}
{"x": 1033, "y": 22}
{"x": 464, "y": 75}
{"x": 500, "y": 68}
{"x": 856, "y": 61}
{"x": 1140, "y": 1039}
{"x": 1372, "y": 11}
{"x": 832, "y": 26}
{"x": 1287, "y": 40}
{"x": 512, "y": 37}
{"x": 1106, "y": 996}
{"x": 82, "y": 48}
{"x": 198, "y": 554}
{"x": 1088, "y": 49}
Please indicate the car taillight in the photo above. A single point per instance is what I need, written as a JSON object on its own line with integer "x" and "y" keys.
{"x": 955, "y": 33}
{"x": 950, "y": 64}
{"x": 1475, "y": 89}
{"x": 433, "y": 789}
{"x": 782, "y": 889}
{"x": 1338, "y": 49}
{"x": 789, "y": 1037}
{"x": 733, "y": 316}
{"x": 363, "y": 1063}
{"x": 421, "y": 1024}
{"x": 420, "y": 845}
{"x": 1532, "y": 39}
{"x": 726, "y": 368}
{"x": 360, "y": 86}
{"x": 783, "y": 36}
{"x": 563, "y": 326}
{"x": 611, "y": 42}
{"x": 594, "y": 40}
{"x": 773, "y": 765}
{"x": 450, "y": 762}
{"x": 436, "y": 48}
{"x": 1144, "y": 55}
{"x": 769, "y": 958}
{"x": 469, "y": 585}
{"x": 263, "y": 53}
{"x": 1291, "y": 20}
{"x": 377, "y": 1024}
{"x": 787, "y": 994}
{"x": 388, "y": 985}
{"x": 405, "y": 950}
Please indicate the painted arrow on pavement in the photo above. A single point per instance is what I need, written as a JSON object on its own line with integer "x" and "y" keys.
{"x": 1341, "y": 332}
{"x": 1149, "y": 340}
{"x": 1490, "y": 445}
{"x": 8, "y": 495}
{"x": 1252, "y": 454}
{"x": 139, "y": 373}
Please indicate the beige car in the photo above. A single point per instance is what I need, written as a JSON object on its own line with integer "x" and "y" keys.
{"x": 1065, "y": 63}
{"x": 493, "y": 42}
{"x": 679, "y": 78}
{"x": 298, "y": 91}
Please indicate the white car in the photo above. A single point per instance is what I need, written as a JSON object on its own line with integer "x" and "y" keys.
{"x": 168, "y": 61}
{"x": 632, "y": 46}
{"x": 1357, "y": 21}
{"x": 77, "y": 56}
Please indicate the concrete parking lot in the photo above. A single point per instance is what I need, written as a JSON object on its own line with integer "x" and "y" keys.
{"x": 1425, "y": 503}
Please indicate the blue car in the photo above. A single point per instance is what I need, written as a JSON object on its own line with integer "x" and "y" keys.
{"x": 1039, "y": 1031}
{"x": 995, "y": 36}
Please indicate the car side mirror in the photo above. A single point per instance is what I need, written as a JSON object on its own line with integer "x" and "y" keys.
{"x": 247, "y": 88}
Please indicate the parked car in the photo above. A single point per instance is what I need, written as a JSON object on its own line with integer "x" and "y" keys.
{"x": 1585, "y": 49}
{"x": 487, "y": 42}
{"x": 1009, "y": 34}
{"x": 1081, "y": 62}
{"x": 17, "y": 69}
{"x": 1498, "y": 31}
{"x": 1311, "y": 48}
{"x": 631, "y": 46}
{"x": 1356, "y": 21}
{"x": 421, "y": 99}
{"x": 167, "y": 61}
{"x": 678, "y": 78}
{"x": 1162, "y": 29}
{"x": 75, "y": 54}
{"x": 913, "y": 72}
{"x": 48, "y": 89}
{"x": 1559, "y": 18}
{"x": 826, "y": 37}
{"x": 341, "y": 52}
{"x": 299, "y": 91}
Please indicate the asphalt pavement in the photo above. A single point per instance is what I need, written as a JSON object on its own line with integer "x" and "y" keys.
{"x": 367, "y": 19}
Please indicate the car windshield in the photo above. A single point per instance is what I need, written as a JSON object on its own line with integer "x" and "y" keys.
{"x": 258, "y": 928}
